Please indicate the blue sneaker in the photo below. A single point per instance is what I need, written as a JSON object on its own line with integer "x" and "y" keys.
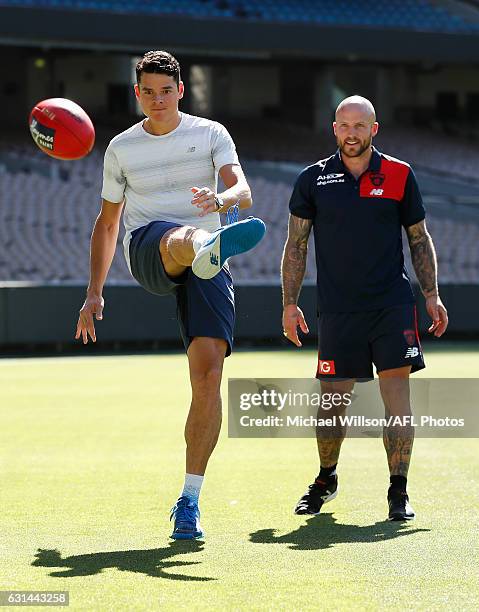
{"x": 225, "y": 242}
{"x": 187, "y": 520}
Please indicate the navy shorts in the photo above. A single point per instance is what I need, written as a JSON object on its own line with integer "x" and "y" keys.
{"x": 350, "y": 342}
{"x": 204, "y": 307}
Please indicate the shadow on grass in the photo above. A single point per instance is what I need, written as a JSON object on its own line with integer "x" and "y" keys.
{"x": 323, "y": 531}
{"x": 152, "y": 562}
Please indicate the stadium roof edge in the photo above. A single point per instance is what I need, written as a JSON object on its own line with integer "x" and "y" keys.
{"x": 92, "y": 30}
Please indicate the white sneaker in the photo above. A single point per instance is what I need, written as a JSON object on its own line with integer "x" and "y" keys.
{"x": 225, "y": 242}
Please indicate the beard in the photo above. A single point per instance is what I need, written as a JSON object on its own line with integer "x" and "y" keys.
{"x": 362, "y": 146}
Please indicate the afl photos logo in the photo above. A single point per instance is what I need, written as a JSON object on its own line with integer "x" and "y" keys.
{"x": 377, "y": 178}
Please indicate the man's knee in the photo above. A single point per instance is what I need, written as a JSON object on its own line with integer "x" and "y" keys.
{"x": 395, "y": 394}
{"x": 173, "y": 249}
{"x": 206, "y": 376}
{"x": 206, "y": 357}
{"x": 394, "y": 387}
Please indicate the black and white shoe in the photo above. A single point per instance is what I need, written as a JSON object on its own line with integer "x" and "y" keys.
{"x": 399, "y": 507}
{"x": 318, "y": 493}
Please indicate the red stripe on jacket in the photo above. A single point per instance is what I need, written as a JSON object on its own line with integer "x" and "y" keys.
{"x": 389, "y": 182}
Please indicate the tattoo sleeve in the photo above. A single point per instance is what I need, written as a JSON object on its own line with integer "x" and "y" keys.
{"x": 293, "y": 265}
{"x": 423, "y": 257}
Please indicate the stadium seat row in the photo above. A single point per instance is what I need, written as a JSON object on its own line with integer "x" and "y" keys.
{"x": 423, "y": 15}
{"x": 46, "y": 233}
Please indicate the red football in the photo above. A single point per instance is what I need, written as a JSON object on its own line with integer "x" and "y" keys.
{"x": 62, "y": 129}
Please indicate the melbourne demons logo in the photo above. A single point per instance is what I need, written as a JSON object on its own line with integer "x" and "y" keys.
{"x": 377, "y": 178}
{"x": 410, "y": 336}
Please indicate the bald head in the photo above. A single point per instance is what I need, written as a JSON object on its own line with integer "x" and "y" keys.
{"x": 358, "y": 105}
{"x": 355, "y": 127}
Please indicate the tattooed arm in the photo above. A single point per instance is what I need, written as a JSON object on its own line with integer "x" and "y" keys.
{"x": 293, "y": 267}
{"x": 424, "y": 261}
{"x": 423, "y": 258}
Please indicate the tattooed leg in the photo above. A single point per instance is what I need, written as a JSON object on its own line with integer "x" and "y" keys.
{"x": 329, "y": 439}
{"x": 398, "y": 440}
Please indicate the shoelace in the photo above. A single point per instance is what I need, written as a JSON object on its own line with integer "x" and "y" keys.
{"x": 320, "y": 487}
{"x": 183, "y": 511}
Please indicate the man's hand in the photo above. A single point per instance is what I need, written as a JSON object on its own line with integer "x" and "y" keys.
{"x": 85, "y": 327}
{"x": 438, "y": 313}
{"x": 292, "y": 318}
{"x": 204, "y": 198}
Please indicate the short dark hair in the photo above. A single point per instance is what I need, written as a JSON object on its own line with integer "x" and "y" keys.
{"x": 159, "y": 62}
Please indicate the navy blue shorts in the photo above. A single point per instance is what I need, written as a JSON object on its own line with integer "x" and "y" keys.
{"x": 204, "y": 307}
{"x": 350, "y": 342}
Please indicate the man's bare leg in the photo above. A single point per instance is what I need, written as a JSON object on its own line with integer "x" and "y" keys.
{"x": 206, "y": 357}
{"x": 398, "y": 439}
{"x": 329, "y": 440}
{"x": 176, "y": 248}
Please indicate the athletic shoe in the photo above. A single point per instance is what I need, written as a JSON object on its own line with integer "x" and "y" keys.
{"x": 399, "y": 507}
{"x": 318, "y": 493}
{"x": 225, "y": 242}
{"x": 187, "y": 520}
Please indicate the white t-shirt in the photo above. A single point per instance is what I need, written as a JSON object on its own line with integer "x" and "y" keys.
{"x": 154, "y": 174}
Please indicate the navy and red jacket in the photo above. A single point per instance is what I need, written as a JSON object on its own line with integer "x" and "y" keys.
{"x": 357, "y": 230}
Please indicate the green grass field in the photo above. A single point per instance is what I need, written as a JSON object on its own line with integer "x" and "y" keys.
{"x": 92, "y": 458}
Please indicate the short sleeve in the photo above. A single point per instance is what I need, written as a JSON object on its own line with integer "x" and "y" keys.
{"x": 223, "y": 150}
{"x": 301, "y": 203}
{"x": 411, "y": 208}
{"x": 114, "y": 181}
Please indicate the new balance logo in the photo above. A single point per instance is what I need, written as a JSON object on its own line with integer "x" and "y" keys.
{"x": 214, "y": 259}
{"x": 191, "y": 149}
{"x": 412, "y": 351}
{"x": 377, "y": 192}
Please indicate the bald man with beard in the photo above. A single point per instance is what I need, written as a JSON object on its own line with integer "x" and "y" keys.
{"x": 356, "y": 202}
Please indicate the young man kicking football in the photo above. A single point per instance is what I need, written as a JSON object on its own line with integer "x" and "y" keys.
{"x": 163, "y": 172}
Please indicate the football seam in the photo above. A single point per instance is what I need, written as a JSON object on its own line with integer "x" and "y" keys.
{"x": 75, "y": 136}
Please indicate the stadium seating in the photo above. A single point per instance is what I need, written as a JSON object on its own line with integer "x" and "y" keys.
{"x": 421, "y": 15}
{"x": 454, "y": 157}
{"x": 47, "y": 210}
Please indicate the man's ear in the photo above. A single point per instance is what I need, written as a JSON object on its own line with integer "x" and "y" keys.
{"x": 137, "y": 91}
{"x": 334, "y": 128}
{"x": 181, "y": 89}
{"x": 375, "y": 128}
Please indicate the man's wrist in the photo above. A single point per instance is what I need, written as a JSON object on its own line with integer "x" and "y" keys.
{"x": 219, "y": 202}
{"x": 431, "y": 293}
{"x": 93, "y": 291}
